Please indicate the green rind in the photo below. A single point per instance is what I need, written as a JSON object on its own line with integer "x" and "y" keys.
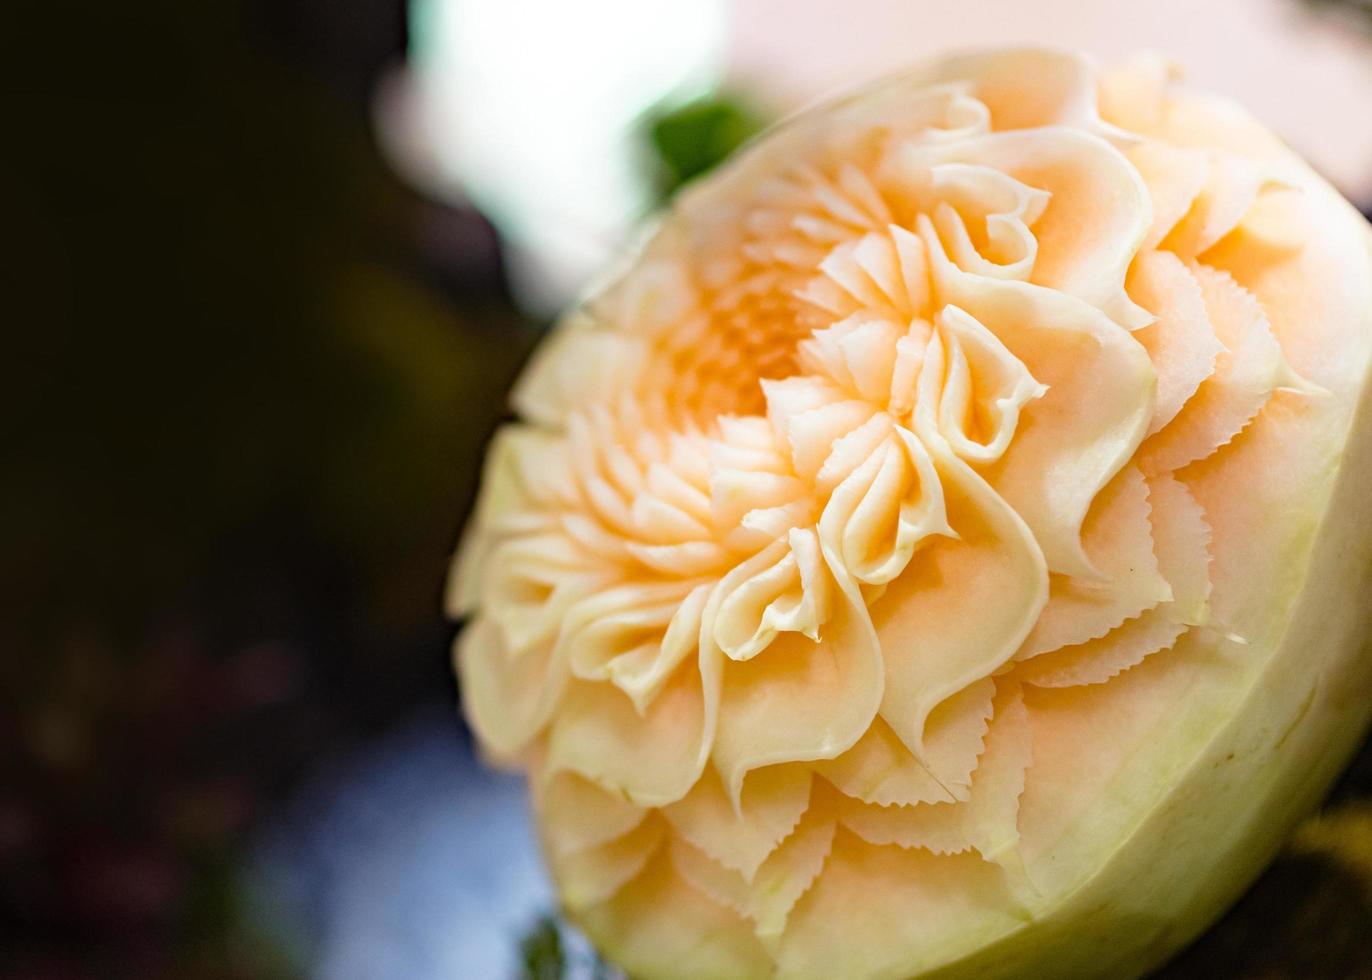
{"x": 1290, "y": 735}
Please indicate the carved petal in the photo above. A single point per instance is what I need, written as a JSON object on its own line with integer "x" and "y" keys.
{"x": 507, "y": 698}
{"x": 1061, "y": 457}
{"x": 586, "y": 877}
{"x": 577, "y": 815}
{"x": 963, "y": 611}
{"x": 880, "y": 769}
{"x": 653, "y": 758}
{"x": 781, "y": 707}
{"x": 1097, "y": 216}
{"x": 740, "y": 839}
{"x": 1181, "y": 538}
{"x": 1247, "y": 371}
{"x": 1119, "y": 543}
{"x": 1180, "y": 342}
{"x": 780, "y": 882}
{"x": 986, "y": 822}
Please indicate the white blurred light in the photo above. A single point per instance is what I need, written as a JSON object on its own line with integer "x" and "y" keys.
{"x": 527, "y": 106}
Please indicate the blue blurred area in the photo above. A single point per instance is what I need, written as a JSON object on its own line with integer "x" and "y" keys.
{"x": 408, "y": 861}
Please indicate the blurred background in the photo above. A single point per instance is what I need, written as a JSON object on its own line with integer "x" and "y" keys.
{"x": 276, "y": 262}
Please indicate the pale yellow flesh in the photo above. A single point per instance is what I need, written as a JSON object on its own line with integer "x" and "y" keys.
{"x": 867, "y": 600}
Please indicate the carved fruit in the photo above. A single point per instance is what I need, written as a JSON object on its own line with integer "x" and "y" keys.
{"x": 944, "y": 550}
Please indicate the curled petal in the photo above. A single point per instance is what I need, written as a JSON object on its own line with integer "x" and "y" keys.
{"x": 972, "y": 388}
{"x": 889, "y": 505}
{"x": 783, "y": 589}
{"x": 960, "y": 614}
{"x": 1097, "y": 215}
{"x": 1000, "y": 208}
{"x": 1061, "y": 457}
{"x": 642, "y": 677}
{"x": 618, "y": 625}
{"x": 634, "y": 636}
{"x": 1063, "y": 92}
{"x": 781, "y": 707}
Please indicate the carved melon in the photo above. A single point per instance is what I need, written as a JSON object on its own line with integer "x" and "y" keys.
{"x": 944, "y": 550}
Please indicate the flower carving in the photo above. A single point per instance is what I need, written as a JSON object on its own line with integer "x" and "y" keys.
{"x": 888, "y": 425}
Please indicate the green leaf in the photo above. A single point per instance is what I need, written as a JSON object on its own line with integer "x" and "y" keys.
{"x": 541, "y": 951}
{"x": 692, "y": 139}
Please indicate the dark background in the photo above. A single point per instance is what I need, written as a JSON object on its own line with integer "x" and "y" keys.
{"x": 246, "y": 379}
{"x": 245, "y": 388}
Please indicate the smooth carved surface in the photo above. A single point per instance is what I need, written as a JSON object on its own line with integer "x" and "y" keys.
{"x": 889, "y": 422}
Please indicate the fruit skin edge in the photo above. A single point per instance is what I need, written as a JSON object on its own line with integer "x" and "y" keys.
{"x": 1234, "y": 809}
{"x": 1233, "y": 806}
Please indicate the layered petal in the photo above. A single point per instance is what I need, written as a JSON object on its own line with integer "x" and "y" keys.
{"x": 985, "y": 821}
{"x": 653, "y": 758}
{"x": 1248, "y": 370}
{"x": 1119, "y": 542}
{"x": 861, "y": 544}
{"x": 1061, "y": 457}
{"x": 1095, "y": 216}
{"x": 507, "y": 698}
{"x": 881, "y": 769}
{"x": 962, "y": 614}
{"x": 767, "y": 897}
{"x": 741, "y": 837}
{"x": 781, "y": 708}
